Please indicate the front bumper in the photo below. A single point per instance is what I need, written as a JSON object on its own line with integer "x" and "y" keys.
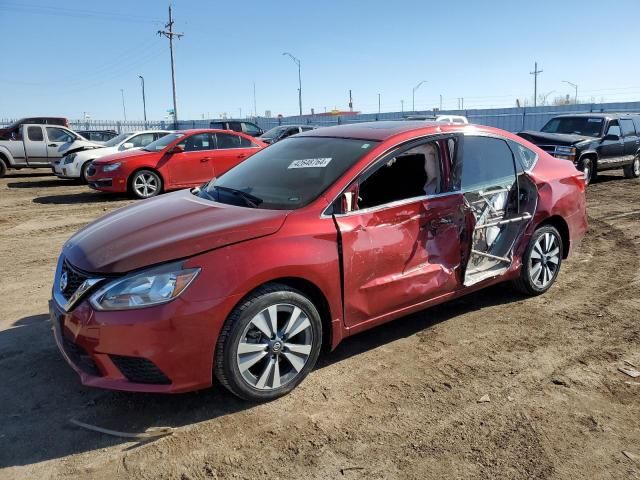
{"x": 164, "y": 349}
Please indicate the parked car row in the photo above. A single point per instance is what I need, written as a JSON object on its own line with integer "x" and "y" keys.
{"x": 298, "y": 245}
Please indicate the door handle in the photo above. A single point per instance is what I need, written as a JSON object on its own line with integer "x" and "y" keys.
{"x": 52, "y": 145}
{"x": 242, "y": 155}
{"x": 205, "y": 159}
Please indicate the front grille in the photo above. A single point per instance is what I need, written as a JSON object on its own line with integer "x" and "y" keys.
{"x": 140, "y": 370}
{"x": 74, "y": 280}
{"x": 80, "y": 358}
{"x": 548, "y": 148}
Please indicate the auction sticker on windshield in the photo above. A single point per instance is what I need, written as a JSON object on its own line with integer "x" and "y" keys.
{"x": 310, "y": 163}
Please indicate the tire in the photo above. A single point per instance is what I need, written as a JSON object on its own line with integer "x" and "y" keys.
{"x": 145, "y": 184}
{"x": 588, "y": 167}
{"x": 633, "y": 169}
{"x": 541, "y": 261}
{"x": 3, "y": 168}
{"x": 251, "y": 374}
{"x": 83, "y": 171}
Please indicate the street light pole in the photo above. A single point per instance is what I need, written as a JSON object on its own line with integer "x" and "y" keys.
{"x": 124, "y": 110}
{"x": 413, "y": 95}
{"x": 144, "y": 102}
{"x": 576, "y": 88}
{"x": 378, "y": 103}
{"x": 297, "y": 62}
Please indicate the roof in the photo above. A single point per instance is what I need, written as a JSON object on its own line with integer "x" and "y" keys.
{"x": 599, "y": 114}
{"x": 383, "y": 130}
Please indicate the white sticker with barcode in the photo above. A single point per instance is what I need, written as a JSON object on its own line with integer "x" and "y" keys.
{"x": 310, "y": 163}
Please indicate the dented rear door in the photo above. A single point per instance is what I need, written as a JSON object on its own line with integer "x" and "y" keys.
{"x": 400, "y": 255}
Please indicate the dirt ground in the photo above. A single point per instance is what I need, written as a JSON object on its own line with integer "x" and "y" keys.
{"x": 399, "y": 401}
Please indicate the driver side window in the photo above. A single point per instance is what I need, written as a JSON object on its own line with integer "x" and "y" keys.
{"x": 413, "y": 172}
{"x": 614, "y": 129}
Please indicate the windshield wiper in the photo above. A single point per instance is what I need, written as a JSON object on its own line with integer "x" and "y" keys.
{"x": 250, "y": 200}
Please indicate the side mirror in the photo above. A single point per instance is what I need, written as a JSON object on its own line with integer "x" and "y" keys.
{"x": 612, "y": 137}
{"x": 177, "y": 149}
{"x": 127, "y": 146}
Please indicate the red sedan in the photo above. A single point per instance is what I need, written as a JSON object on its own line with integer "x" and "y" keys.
{"x": 179, "y": 160}
{"x": 318, "y": 237}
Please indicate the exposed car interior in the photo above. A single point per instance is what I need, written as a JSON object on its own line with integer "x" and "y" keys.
{"x": 412, "y": 173}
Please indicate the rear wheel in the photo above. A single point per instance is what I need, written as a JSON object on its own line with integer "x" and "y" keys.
{"x": 541, "y": 261}
{"x": 633, "y": 170}
{"x": 588, "y": 168}
{"x": 269, "y": 344}
{"x": 145, "y": 184}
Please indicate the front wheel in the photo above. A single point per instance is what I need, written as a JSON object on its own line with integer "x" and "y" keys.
{"x": 633, "y": 170}
{"x": 84, "y": 171}
{"x": 269, "y": 344}
{"x": 145, "y": 184}
{"x": 541, "y": 261}
{"x": 588, "y": 168}
{"x": 3, "y": 168}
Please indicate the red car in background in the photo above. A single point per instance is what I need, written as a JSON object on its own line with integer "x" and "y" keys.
{"x": 179, "y": 160}
{"x": 318, "y": 237}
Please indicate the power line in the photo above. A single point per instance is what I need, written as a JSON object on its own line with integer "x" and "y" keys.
{"x": 39, "y": 9}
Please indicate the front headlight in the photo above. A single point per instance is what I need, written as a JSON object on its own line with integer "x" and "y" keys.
{"x": 562, "y": 150}
{"x": 111, "y": 167}
{"x": 69, "y": 158}
{"x": 151, "y": 287}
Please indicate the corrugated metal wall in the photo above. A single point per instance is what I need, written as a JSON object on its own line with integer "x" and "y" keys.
{"x": 511, "y": 119}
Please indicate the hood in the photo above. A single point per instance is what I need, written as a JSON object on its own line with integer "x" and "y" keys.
{"x": 543, "y": 138}
{"x": 79, "y": 146}
{"x": 119, "y": 156}
{"x": 165, "y": 228}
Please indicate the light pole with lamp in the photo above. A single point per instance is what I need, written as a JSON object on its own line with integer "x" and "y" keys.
{"x": 413, "y": 95}
{"x": 574, "y": 86}
{"x": 297, "y": 62}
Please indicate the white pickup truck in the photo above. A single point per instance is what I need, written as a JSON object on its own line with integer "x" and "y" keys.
{"x": 37, "y": 146}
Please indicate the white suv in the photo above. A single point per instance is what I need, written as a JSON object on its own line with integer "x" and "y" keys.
{"x": 75, "y": 165}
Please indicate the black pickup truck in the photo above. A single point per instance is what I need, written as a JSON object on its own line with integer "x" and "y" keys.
{"x": 593, "y": 141}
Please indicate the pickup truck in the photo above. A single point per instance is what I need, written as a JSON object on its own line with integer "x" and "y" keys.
{"x": 594, "y": 142}
{"x": 37, "y": 146}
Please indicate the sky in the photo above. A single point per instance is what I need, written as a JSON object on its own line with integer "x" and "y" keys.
{"x": 73, "y": 57}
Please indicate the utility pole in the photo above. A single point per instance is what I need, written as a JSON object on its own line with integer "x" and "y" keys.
{"x": 240, "y": 112}
{"x": 144, "y": 102}
{"x": 535, "y": 74}
{"x": 574, "y": 86}
{"x": 255, "y": 109}
{"x": 413, "y": 95}
{"x": 169, "y": 33}
{"x": 440, "y": 101}
{"x": 124, "y": 110}
{"x": 402, "y": 105}
{"x": 350, "y": 102}
{"x": 378, "y": 103}
{"x": 297, "y": 62}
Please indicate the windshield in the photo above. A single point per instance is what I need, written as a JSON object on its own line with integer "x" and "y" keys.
{"x": 162, "y": 143}
{"x": 274, "y": 132}
{"x": 116, "y": 140}
{"x": 590, "y": 127}
{"x": 289, "y": 174}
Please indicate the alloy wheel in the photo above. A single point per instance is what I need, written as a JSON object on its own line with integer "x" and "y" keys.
{"x": 544, "y": 260}
{"x": 275, "y": 346}
{"x": 636, "y": 167}
{"x": 145, "y": 184}
{"x": 586, "y": 170}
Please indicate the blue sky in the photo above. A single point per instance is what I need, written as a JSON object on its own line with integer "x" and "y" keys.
{"x": 68, "y": 57}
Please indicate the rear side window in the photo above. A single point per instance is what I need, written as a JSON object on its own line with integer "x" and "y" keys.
{"x": 486, "y": 162}
{"x": 235, "y": 126}
{"x": 226, "y": 140}
{"x": 246, "y": 143}
{"x": 636, "y": 121}
{"x": 526, "y": 157}
{"x": 35, "y": 134}
{"x": 627, "y": 127}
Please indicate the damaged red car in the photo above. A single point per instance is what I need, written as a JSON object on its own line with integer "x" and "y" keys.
{"x": 316, "y": 238}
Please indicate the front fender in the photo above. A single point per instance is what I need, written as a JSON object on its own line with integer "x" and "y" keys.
{"x": 6, "y": 154}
